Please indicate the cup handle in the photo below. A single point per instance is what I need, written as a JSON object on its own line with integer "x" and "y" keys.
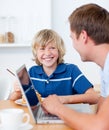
{"x": 26, "y": 115}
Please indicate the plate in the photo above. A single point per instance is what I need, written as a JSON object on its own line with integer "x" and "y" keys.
{"x": 19, "y": 102}
{"x": 26, "y": 127}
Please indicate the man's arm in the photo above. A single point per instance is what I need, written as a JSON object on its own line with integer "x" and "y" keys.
{"x": 77, "y": 120}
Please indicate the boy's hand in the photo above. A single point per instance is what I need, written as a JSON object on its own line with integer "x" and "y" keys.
{"x": 16, "y": 94}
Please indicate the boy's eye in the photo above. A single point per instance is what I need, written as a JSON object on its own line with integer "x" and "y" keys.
{"x": 42, "y": 48}
{"x": 52, "y": 47}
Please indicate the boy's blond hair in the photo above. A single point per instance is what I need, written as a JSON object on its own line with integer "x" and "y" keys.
{"x": 44, "y": 37}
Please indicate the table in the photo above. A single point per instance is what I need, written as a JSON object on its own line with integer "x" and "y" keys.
{"x": 11, "y": 104}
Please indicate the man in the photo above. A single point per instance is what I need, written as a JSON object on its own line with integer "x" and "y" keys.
{"x": 89, "y": 26}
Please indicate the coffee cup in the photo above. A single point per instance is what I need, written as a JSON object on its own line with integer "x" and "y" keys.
{"x": 13, "y": 118}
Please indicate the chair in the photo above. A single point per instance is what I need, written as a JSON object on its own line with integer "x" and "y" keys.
{"x": 5, "y": 86}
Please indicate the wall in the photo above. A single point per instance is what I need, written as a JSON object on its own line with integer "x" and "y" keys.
{"x": 33, "y": 15}
{"x": 60, "y": 12}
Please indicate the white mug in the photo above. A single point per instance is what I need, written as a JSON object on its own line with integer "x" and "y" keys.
{"x": 13, "y": 118}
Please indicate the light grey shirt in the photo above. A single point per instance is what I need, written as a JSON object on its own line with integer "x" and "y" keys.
{"x": 105, "y": 78}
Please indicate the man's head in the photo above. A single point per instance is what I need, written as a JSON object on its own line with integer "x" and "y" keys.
{"x": 94, "y": 20}
{"x": 89, "y": 25}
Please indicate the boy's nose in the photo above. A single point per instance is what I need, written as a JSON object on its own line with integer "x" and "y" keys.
{"x": 47, "y": 52}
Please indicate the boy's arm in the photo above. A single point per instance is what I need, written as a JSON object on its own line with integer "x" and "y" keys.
{"x": 90, "y": 96}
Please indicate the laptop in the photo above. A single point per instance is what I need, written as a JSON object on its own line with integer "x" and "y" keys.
{"x": 33, "y": 102}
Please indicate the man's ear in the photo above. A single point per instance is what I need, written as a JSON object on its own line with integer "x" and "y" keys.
{"x": 84, "y": 36}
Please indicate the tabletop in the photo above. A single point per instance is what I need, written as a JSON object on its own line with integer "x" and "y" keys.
{"x": 12, "y": 104}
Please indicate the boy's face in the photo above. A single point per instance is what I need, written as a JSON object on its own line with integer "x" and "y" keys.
{"x": 48, "y": 55}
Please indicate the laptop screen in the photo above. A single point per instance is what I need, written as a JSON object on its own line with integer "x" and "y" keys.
{"x": 28, "y": 89}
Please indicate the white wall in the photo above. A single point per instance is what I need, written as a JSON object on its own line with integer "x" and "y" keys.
{"x": 33, "y": 15}
{"x": 61, "y": 11}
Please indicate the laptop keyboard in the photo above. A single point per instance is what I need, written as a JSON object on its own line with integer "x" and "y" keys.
{"x": 45, "y": 116}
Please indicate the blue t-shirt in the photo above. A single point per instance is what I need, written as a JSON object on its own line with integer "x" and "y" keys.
{"x": 67, "y": 79}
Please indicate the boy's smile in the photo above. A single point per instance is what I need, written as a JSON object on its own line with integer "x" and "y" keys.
{"x": 48, "y": 55}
